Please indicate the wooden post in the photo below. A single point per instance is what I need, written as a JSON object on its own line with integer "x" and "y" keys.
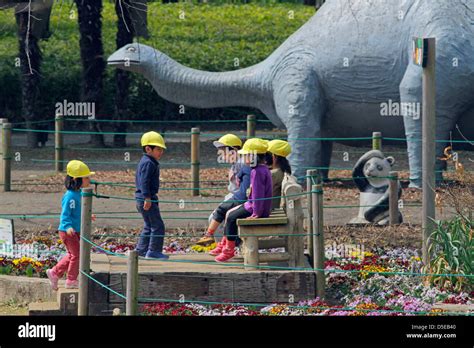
{"x": 318, "y": 238}
{"x": 195, "y": 132}
{"x": 6, "y": 157}
{"x": 251, "y": 125}
{"x": 310, "y": 176}
{"x": 2, "y": 120}
{"x": 428, "y": 148}
{"x": 132, "y": 283}
{"x": 58, "y": 144}
{"x": 85, "y": 250}
{"x": 377, "y": 141}
{"x": 393, "y": 198}
{"x": 251, "y": 252}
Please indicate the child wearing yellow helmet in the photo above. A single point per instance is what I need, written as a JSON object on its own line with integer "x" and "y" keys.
{"x": 259, "y": 201}
{"x": 278, "y": 150}
{"x": 147, "y": 181}
{"x": 77, "y": 177}
{"x": 239, "y": 182}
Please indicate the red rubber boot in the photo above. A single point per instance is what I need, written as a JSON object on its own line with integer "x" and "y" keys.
{"x": 217, "y": 250}
{"x": 227, "y": 253}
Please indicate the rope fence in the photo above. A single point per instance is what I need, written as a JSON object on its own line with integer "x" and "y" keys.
{"x": 314, "y": 193}
{"x": 265, "y": 305}
{"x": 137, "y": 299}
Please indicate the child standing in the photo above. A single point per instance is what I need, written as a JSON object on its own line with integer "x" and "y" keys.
{"x": 147, "y": 181}
{"x": 259, "y": 202}
{"x": 279, "y": 151}
{"x": 239, "y": 182}
{"x": 70, "y": 224}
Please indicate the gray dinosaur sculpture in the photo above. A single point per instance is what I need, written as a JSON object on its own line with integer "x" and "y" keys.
{"x": 333, "y": 76}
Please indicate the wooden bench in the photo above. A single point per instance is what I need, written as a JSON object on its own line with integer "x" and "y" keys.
{"x": 276, "y": 231}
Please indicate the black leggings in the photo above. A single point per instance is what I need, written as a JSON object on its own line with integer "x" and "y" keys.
{"x": 231, "y": 230}
{"x": 223, "y": 208}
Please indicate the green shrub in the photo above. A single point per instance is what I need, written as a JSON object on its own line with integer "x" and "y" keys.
{"x": 209, "y": 38}
{"x": 452, "y": 252}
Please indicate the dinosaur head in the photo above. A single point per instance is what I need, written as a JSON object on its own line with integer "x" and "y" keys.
{"x": 130, "y": 57}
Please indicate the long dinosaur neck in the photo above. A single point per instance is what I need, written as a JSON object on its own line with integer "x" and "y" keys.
{"x": 202, "y": 89}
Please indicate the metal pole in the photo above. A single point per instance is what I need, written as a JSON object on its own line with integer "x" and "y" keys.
{"x": 6, "y": 156}
{"x": 132, "y": 283}
{"x": 310, "y": 177}
{"x": 251, "y": 125}
{"x": 85, "y": 250}
{"x": 429, "y": 148}
{"x": 58, "y": 141}
{"x": 318, "y": 238}
{"x": 195, "y": 132}
{"x": 377, "y": 141}
{"x": 393, "y": 198}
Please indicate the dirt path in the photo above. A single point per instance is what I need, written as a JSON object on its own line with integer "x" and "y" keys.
{"x": 38, "y": 190}
{"x": 13, "y": 309}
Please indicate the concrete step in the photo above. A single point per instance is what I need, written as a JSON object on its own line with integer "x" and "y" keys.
{"x": 44, "y": 308}
{"x": 68, "y": 300}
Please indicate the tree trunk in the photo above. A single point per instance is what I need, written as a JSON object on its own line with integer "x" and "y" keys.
{"x": 92, "y": 57}
{"x": 319, "y": 3}
{"x": 30, "y": 62}
{"x": 122, "y": 78}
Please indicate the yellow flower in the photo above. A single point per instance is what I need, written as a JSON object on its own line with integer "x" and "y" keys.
{"x": 372, "y": 268}
{"x": 16, "y": 262}
{"x": 416, "y": 258}
{"x": 38, "y": 264}
{"x": 201, "y": 249}
{"x": 275, "y": 310}
{"x": 435, "y": 311}
{"x": 360, "y": 255}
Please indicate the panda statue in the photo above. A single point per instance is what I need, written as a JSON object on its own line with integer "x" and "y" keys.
{"x": 370, "y": 174}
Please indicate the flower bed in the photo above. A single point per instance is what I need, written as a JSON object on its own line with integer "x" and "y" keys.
{"x": 362, "y": 284}
{"x": 26, "y": 266}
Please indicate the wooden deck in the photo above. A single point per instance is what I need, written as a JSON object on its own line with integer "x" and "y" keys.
{"x": 183, "y": 278}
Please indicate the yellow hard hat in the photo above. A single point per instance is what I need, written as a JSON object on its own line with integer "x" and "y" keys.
{"x": 279, "y": 147}
{"x": 230, "y": 140}
{"x": 153, "y": 139}
{"x": 78, "y": 169}
{"x": 254, "y": 145}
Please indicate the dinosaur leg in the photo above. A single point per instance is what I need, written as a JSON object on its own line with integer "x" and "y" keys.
{"x": 326, "y": 157}
{"x": 300, "y": 105}
{"x": 410, "y": 95}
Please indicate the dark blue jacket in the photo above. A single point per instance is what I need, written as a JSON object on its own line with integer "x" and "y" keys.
{"x": 244, "y": 178}
{"x": 147, "y": 178}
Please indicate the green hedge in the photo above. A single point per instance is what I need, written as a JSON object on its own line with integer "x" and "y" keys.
{"x": 209, "y": 38}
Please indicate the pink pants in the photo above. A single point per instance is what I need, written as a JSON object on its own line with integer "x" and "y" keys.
{"x": 70, "y": 262}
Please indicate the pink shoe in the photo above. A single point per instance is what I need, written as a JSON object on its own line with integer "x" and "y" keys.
{"x": 217, "y": 250}
{"x": 72, "y": 284}
{"x": 53, "y": 279}
{"x": 227, "y": 253}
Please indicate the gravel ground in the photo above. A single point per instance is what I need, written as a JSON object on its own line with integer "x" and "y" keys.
{"x": 38, "y": 190}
